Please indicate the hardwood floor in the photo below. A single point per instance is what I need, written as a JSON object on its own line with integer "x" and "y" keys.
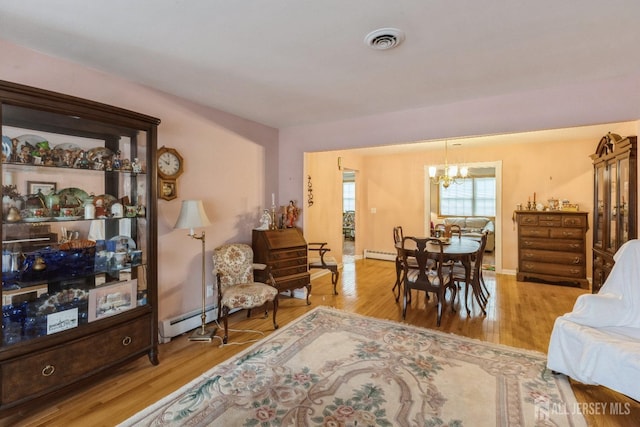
{"x": 519, "y": 314}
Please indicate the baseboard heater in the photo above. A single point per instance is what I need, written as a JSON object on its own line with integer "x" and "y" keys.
{"x": 178, "y": 325}
{"x": 386, "y": 256}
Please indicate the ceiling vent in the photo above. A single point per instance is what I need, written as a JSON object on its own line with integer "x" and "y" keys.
{"x": 384, "y": 38}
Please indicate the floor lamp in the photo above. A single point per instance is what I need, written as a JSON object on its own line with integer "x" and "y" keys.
{"x": 192, "y": 215}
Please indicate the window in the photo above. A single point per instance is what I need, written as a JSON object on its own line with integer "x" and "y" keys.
{"x": 472, "y": 197}
{"x": 348, "y": 196}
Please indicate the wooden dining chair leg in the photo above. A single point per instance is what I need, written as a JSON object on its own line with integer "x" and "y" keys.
{"x": 398, "y": 284}
{"x": 439, "y": 308}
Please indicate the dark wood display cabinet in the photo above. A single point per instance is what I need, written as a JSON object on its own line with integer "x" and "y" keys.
{"x": 79, "y": 278}
{"x": 615, "y": 178}
{"x": 552, "y": 247}
{"x": 285, "y": 251}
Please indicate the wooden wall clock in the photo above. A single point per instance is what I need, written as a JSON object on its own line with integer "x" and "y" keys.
{"x": 170, "y": 167}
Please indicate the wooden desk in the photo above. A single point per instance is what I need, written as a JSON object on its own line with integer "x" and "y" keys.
{"x": 285, "y": 251}
{"x": 459, "y": 249}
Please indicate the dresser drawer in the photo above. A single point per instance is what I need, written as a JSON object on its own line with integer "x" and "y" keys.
{"x": 553, "y": 257}
{"x": 552, "y": 245}
{"x": 535, "y": 232}
{"x": 566, "y": 233}
{"x": 528, "y": 219}
{"x": 574, "y": 221}
{"x": 571, "y": 271}
{"x": 49, "y": 370}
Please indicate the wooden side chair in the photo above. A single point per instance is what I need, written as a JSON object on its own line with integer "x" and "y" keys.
{"x": 426, "y": 277}
{"x": 233, "y": 267}
{"x": 324, "y": 261}
{"x": 476, "y": 283}
{"x": 398, "y": 235}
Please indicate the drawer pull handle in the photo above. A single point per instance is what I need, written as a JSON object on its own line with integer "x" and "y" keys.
{"x": 126, "y": 341}
{"x": 48, "y": 370}
{"x": 576, "y": 260}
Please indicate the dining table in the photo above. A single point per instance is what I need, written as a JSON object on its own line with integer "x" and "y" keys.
{"x": 454, "y": 249}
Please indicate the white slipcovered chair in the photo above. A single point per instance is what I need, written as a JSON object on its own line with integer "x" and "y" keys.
{"x": 599, "y": 341}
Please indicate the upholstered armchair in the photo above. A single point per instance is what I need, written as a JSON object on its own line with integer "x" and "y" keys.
{"x": 233, "y": 267}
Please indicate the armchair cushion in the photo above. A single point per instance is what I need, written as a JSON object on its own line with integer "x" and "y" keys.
{"x": 248, "y": 295}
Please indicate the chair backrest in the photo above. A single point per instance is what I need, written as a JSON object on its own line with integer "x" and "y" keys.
{"x": 422, "y": 277}
{"x": 477, "y": 262}
{"x": 454, "y": 228}
{"x": 397, "y": 234}
{"x": 233, "y": 262}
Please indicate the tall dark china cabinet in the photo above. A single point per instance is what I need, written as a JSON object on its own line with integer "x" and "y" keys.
{"x": 615, "y": 203}
{"x": 79, "y": 242}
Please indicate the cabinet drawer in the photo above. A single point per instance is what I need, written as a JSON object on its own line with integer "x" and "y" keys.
{"x": 49, "y": 370}
{"x": 534, "y": 232}
{"x": 572, "y": 271}
{"x": 553, "y": 257}
{"x": 292, "y": 253}
{"x": 574, "y": 221}
{"x": 287, "y": 271}
{"x": 566, "y": 233}
{"x": 287, "y": 263}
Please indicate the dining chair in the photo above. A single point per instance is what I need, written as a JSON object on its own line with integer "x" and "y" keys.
{"x": 476, "y": 281}
{"x": 426, "y": 277}
{"x": 398, "y": 235}
{"x": 324, "y": 261}
{"x": 237, "y": 289}
{"x": 442, "y": 229}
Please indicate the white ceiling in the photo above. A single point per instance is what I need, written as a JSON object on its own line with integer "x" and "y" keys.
{"x": 290, "y": 62}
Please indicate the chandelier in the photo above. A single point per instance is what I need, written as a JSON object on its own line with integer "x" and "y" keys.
{"x": 452, "y": 174}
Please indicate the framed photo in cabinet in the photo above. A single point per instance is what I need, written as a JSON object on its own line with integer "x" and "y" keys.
{"x": 113, "y": 299}
{"x": 44, "y": 187}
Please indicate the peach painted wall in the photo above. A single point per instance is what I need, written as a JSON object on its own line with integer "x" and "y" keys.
{"x": 230, "y": 163}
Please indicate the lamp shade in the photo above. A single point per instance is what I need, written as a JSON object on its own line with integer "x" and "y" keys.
{"x": 192, "y": 215}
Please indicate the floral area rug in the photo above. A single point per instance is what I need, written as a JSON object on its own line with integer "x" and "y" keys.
{"x": 334, "y": 368}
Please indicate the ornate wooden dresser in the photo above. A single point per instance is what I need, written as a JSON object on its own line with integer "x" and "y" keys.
{"x": 552, "y": 247}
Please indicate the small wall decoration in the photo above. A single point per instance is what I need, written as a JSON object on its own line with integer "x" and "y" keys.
{"x": 309, "y": 192}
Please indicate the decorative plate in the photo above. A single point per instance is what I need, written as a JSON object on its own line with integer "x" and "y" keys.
{"x": 67, "y": 146}
{"x": 37, "y": 219}
{"x": 31, "y": 139}
{"x": 7, "y": 148}
{"x": 72, "y": 197}
{"x": 124, "y": 243}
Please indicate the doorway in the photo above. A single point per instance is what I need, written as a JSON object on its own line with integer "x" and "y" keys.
{"x": 431, "y": 209}
{"x": 348, "y": 214}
